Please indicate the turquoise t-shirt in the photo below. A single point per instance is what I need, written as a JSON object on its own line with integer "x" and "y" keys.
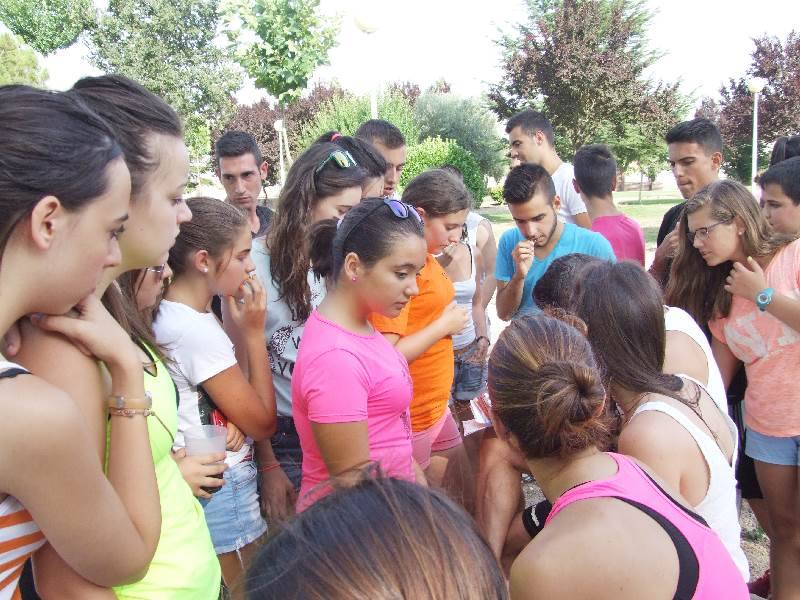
{"x": 574, "y": 240}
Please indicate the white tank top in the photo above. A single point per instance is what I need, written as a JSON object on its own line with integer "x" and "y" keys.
{"x": 719, "y": 506}
{"x": 677, "y": 319}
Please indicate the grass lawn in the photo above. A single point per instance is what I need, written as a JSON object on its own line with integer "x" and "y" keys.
{"x": 647, "y": 212}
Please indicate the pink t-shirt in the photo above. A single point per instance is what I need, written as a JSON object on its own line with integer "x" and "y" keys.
{"x": 344, "y": 377}
{"x": 624, "y": 234}
{"x": 769, "y": 349}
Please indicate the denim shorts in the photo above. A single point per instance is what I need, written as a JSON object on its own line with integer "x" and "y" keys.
{"x": 233, "y": 513}
{"x": 469, "y": 377}
{"x": 773, "y": 450}
{"x": 286, "y": 447}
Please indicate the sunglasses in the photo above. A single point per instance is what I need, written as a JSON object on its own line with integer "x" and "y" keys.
{"x": 399, "y": 209}
{"x": 341, "y": 158}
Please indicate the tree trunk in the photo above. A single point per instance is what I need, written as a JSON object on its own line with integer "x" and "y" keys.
{"x": 620, "y": 181}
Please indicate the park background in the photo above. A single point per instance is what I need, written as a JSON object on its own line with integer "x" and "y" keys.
{"x": 448, "y": 73}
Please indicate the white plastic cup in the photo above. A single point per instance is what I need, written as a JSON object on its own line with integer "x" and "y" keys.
{"x": 205, "y": 439}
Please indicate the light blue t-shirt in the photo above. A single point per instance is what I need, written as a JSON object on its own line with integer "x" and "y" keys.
{"x": 573, "y": 240}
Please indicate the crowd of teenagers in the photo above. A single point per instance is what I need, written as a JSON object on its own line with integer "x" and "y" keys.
{"x": 206, "y": 399}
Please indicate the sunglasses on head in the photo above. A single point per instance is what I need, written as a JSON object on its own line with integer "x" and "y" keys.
{"x": 341, "y": 158}
{"x": 399, "y": 209}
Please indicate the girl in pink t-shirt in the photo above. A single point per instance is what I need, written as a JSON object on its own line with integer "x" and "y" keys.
{"x": 735, "y": 273}
{"x": 351, "y": 388}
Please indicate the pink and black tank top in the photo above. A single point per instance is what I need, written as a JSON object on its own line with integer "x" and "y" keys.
{"x": 706, "y": 570}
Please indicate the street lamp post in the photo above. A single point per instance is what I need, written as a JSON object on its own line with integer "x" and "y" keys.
{"x": 755, "y": 85}
{"x": 368, "y": 24}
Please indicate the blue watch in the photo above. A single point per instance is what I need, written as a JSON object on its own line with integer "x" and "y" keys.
{"x": 764, "y": 298}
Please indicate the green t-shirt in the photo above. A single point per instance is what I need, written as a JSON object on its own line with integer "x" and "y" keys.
{"x": 185, "y": 566}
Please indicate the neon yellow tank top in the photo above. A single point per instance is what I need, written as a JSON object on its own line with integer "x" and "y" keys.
{"x": 185, "y": 566}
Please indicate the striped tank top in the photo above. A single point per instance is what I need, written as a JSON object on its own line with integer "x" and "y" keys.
{"x": 20, "y": 537}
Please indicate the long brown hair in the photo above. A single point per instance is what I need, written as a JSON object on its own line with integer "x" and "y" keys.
{"x": 134, "y": 115}
{"x": 381, "y": 539}
{"x": 693, "y": 285}
{"x": 307, "y": 183}
{"x": 546, "y": 389}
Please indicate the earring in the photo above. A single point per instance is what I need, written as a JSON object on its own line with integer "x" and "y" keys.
{"x": 354, "y": 278}
{"x": 205, "y": 269}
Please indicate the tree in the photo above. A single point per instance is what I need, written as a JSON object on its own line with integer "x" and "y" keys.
{"x": 779, "y": 64}
{"x": 18, "y": 64}
{"x": 258, "y": 120}
{"x": 466, "y": 121}
{"x": 346, "y": 113}
{"x": 582, "y": 62}
{"x": 290, "y": 42}
{"x": 47, "y": 25}
{"x": 168, "y": 46}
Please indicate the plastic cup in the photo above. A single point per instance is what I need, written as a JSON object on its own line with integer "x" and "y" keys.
{"x": 205, "y": 439}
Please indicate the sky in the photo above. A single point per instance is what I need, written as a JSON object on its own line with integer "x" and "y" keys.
{"x": 704, "y": 42}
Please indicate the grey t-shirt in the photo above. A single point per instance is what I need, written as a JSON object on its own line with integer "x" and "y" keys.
{"x": 281, "y": 332}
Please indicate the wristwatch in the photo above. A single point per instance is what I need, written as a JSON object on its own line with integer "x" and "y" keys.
{"x": 764, "y": 298}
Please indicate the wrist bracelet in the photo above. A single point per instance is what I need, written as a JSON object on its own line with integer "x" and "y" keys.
{"x": 122, "y": 402}
{"x": 130, "y": 412}
{"x": 270, "y": 467}
{"x": 483, "y": 337}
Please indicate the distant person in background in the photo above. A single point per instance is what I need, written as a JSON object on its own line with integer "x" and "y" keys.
{"x": 530, "y": 135}
{"x": 242, "y": 171}
{"x": 595, "y": 180}
{"x": 392, "y": 145}
{"x": 780, "y": 195}
{"x": 784, "y": 149}
{"x": 695, "y": 156}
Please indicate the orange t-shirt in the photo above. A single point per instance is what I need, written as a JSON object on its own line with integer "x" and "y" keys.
{"x": 432, "y": 371}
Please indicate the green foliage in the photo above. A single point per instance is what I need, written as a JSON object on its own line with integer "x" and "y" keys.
{"x": 168, "y": 46}
{"x": 47, "y": 25}
{"x": 467, "y": 122}
{"x": 259, "y": 119}
{"x": 432, "y": 153}
{"x": 583, "y": 63}
{"x": 291, "y": 41}
{"x": 344, "y": 114}
{"x": 778, "y": 62}
{"x": 18, "y": 64}
{"x": 496, "y": 194}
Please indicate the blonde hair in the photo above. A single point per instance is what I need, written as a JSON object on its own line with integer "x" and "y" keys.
{"x": 693, "y": 285}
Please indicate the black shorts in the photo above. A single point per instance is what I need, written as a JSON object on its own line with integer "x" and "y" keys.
{"x": 745, "y": 468}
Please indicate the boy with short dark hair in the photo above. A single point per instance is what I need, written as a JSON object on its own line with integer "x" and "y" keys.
{"x": 780, "y": 195}
{"x": 390, "y": 142}
{"x": 595, "y": 180}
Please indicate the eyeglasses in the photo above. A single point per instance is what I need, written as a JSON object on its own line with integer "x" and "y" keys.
{"x": 157, "y": 271}
{"x": 702, "y": 233}
{"x": 342, "y": 158}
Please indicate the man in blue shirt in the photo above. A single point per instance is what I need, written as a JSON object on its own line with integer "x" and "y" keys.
{"x": 525, "y": 252}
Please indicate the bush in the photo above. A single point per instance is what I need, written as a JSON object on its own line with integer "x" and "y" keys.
{"x": 464, "y": 120}
{"x": 432, "y": 153}
{"x": 496, "y": 194}
{"x": 344, "y": 114}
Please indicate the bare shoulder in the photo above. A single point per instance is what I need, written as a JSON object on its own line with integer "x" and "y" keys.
{"x": 484, "y": 232}
{"x": 34, "y": 416}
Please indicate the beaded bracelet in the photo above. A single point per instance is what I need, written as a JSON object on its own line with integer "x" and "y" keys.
{"x": 129, "y": 412}
{"x": 269, "y": 468}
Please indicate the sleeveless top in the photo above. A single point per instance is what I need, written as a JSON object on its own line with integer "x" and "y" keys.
{"x": 465, "y": 290}
{"x": 719, "y": 506}
{"x": 706, "y": 570}
{"x": 677, "y": 319}
{"x": 20, "y": 537}
{"x": 185, "y": 566}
